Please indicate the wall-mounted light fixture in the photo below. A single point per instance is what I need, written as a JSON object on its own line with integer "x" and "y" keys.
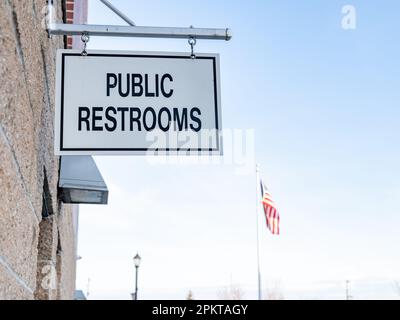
{"x": 81, "y": 181}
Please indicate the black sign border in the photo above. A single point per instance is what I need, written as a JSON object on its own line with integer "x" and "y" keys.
{"x": 65, "y": 54}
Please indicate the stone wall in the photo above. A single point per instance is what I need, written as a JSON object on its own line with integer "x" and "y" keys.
{"x": 37, "y": 238}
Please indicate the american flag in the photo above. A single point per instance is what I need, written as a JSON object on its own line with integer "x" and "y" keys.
{"x": 270, "y": 210}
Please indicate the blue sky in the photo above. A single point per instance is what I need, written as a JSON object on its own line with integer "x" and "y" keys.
{"x": 323, "y": 102}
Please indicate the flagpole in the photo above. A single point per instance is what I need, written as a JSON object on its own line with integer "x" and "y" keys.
{"x": 258, "y": 240}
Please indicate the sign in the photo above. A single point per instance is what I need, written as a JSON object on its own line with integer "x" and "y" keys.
{"x": 117, "y": 103}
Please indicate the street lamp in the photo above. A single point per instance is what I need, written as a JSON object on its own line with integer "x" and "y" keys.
{"x": 136, "y": 261}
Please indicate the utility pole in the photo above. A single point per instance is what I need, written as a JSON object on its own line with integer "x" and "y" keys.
{"x": 348, "y": 296}
{"x": 87, "y": 288}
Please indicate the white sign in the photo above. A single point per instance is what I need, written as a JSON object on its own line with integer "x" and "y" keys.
{"x": 116, "y": 103}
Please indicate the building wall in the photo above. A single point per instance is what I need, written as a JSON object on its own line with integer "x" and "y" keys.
{"x": 37, "y": 231}
{"x": 76, "y": 12}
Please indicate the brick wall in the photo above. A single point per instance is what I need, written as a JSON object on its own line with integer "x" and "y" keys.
{"x": 37, "y": 235}
{"x": 76, "y": 12}
{"x": 69, "y": 7}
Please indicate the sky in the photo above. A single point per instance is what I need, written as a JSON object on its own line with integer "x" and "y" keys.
{"x": 317, "y": 106}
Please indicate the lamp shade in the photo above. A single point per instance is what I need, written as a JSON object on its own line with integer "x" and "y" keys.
{"x": 136, "y": 260}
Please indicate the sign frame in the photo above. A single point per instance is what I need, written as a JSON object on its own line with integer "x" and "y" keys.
{"x": 60, "y": 149}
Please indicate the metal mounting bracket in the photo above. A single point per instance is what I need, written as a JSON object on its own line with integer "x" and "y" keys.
{"x": 132, "y": 30}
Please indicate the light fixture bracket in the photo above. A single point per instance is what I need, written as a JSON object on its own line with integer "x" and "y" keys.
{"x": 132, "y": 30}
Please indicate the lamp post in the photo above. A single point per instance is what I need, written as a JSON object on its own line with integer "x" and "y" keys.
{"x": 136, "y": 261}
